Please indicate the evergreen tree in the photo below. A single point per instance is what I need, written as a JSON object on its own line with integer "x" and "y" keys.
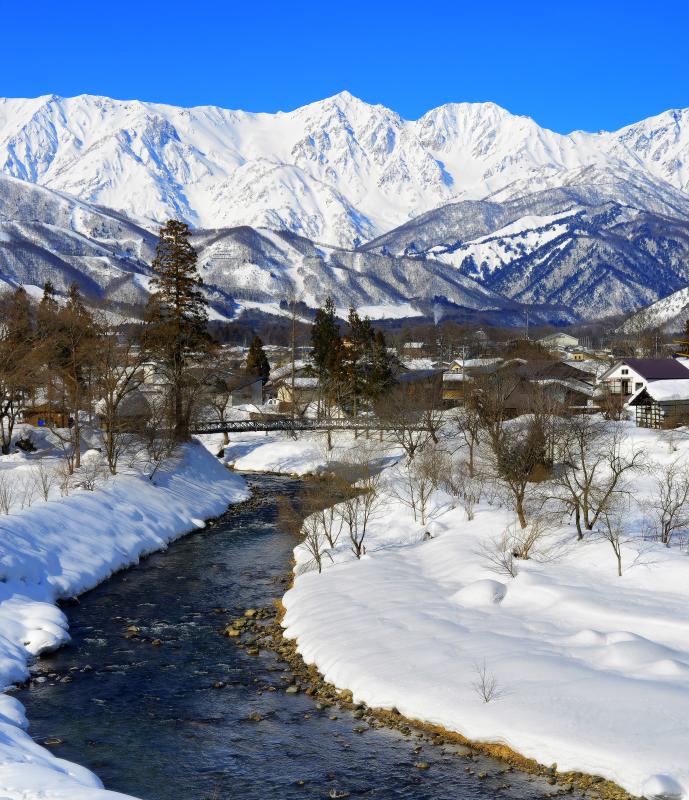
{"x": 328, "y": 352}
{"x": 358, "y": 357}
{"x": 177, "y": 317}
{"x": 257, "y": 361}
{"x": 47, "y": 312}
{"x": 381, "y": 376}
{"x": 325, "y": 339}
{"x": 75, "y": 304}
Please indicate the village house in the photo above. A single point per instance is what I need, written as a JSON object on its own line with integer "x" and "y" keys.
{"x": 297, "y": 394}
{"x": 570, "y": 387}
{"x": 558, "y": 339}
{"x": 627, "y": 376}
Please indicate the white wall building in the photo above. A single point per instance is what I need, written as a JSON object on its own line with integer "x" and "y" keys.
{"x": 630, "y": 375}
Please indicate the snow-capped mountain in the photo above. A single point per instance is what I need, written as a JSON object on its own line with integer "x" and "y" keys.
{"x": 339, "y": 171}
{"x": 575, "y": 245}
{"x": 49, "y": 235}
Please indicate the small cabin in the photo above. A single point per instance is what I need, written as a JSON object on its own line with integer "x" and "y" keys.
{"x": 46, "y": 415}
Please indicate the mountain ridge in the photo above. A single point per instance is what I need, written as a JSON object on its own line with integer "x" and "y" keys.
{"x": 338, "y": 170}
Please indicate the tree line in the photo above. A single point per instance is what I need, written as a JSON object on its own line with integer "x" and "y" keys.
{"x": 69, "y": 364}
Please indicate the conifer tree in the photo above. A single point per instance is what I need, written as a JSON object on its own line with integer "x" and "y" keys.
{"x": 325, "y": 338}
{"x": 381, "y": 376}
{"x": 257, "y": 361}
{"x": 177, "y": 317}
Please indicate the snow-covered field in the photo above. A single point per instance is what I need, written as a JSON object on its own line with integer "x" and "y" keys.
{"x": 591, "y": 670}
{"x": 63, "y": 547}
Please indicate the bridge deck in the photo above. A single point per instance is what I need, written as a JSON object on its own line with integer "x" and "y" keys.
{"x": 297, "y": 424}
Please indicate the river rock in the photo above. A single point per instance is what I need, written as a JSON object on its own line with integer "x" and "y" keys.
{"x": 422, "y": 765}
{"x": 292, "y": 689}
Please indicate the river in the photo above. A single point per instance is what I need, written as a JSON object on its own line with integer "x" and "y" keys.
{"x": 147, "y": 719}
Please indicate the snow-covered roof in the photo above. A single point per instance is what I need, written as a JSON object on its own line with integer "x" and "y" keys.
{"x": 570, "y": 383}
{"x": 286, "y": 369}
{"x": 467, "y": 363}
{"x": 664, "y": 391}
{"x": 305, "y": 383}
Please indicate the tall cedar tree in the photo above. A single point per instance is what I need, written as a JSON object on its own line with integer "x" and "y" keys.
{"x": 358, "y": 358}
{"x": 381, "y": 376}
{"x": 328, "y": 352}
{"x": 325, "y": 339}
{"x": 256, "y": 360}
{"x": 177, "y": 317}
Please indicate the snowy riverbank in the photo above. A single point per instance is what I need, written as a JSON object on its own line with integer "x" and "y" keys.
{"x": 591, "y": 669}
{"x": 63, "y": 547}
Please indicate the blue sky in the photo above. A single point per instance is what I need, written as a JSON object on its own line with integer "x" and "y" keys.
{"x": 582, "y": 65}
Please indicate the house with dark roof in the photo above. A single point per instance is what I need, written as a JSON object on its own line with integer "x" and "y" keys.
{"x": 629, "y": 375}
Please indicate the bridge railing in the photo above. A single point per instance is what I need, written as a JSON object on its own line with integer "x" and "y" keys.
{"x": 296, "y": 424}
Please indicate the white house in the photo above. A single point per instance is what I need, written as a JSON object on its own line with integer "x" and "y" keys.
{"x": 629, "y": 376}
{"x": 558, "y": 339}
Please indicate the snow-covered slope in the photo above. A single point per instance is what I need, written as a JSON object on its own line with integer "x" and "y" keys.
{"x": 670, "y": 313}
{"x": 339, "y": 170}
{"x": 49, "y": 235}
{"x": 573, "y": 245}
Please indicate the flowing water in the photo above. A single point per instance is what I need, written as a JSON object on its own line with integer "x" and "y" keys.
{"x": 148, "y": 720}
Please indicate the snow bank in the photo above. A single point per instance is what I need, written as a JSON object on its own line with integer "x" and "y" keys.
{"x": 280, "y": 452}
{"x": 64, "y": 547}
{"x": 592, "y": 669}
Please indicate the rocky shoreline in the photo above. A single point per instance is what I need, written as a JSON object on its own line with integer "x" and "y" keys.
{"x": 260, "y": 629}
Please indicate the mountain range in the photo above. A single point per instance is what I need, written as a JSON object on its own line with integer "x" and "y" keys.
{"x": 468, "y": 207}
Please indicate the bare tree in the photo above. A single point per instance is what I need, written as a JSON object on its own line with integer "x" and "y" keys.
{"x": 413, "y": 414}
{"x": 486, "y": 684}
{"x": 469, "y": 425}
{"x": 498, "y": 553}
{"x": 27, "y": 489}
{"x": 465, "y": 484}
{"x": 309, "y": 531}
{"x": 92, "y": 472}
{"x": 119, "y": 366}
{"x": 420, "y": 478}
{"x": 43, "y": 477}
{"x": 156, "y": 437}
{"x": 7, "y": 493}
{"x": 670, "y": 506}
{"x": 319, "y": 499}
{"x": 593, "y": 466}
{"x": 611, "y": 404}
{"x": 361, "y": 486}
{"x": 612, "y": 530}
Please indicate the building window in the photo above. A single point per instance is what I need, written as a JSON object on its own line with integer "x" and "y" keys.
{"x": 625, "y": 371}
{"x": 638, "y": 386}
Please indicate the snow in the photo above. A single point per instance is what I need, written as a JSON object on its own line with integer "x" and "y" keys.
{"x": 338, "y": 170}
{"x": 280, "y": 452}
{"x": 663, "y": 391}
{"x": 593, "y": 670}
{"x": 63, "y": 547}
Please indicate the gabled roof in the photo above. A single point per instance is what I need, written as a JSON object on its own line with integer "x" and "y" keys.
{"x": 653, "y": 369}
